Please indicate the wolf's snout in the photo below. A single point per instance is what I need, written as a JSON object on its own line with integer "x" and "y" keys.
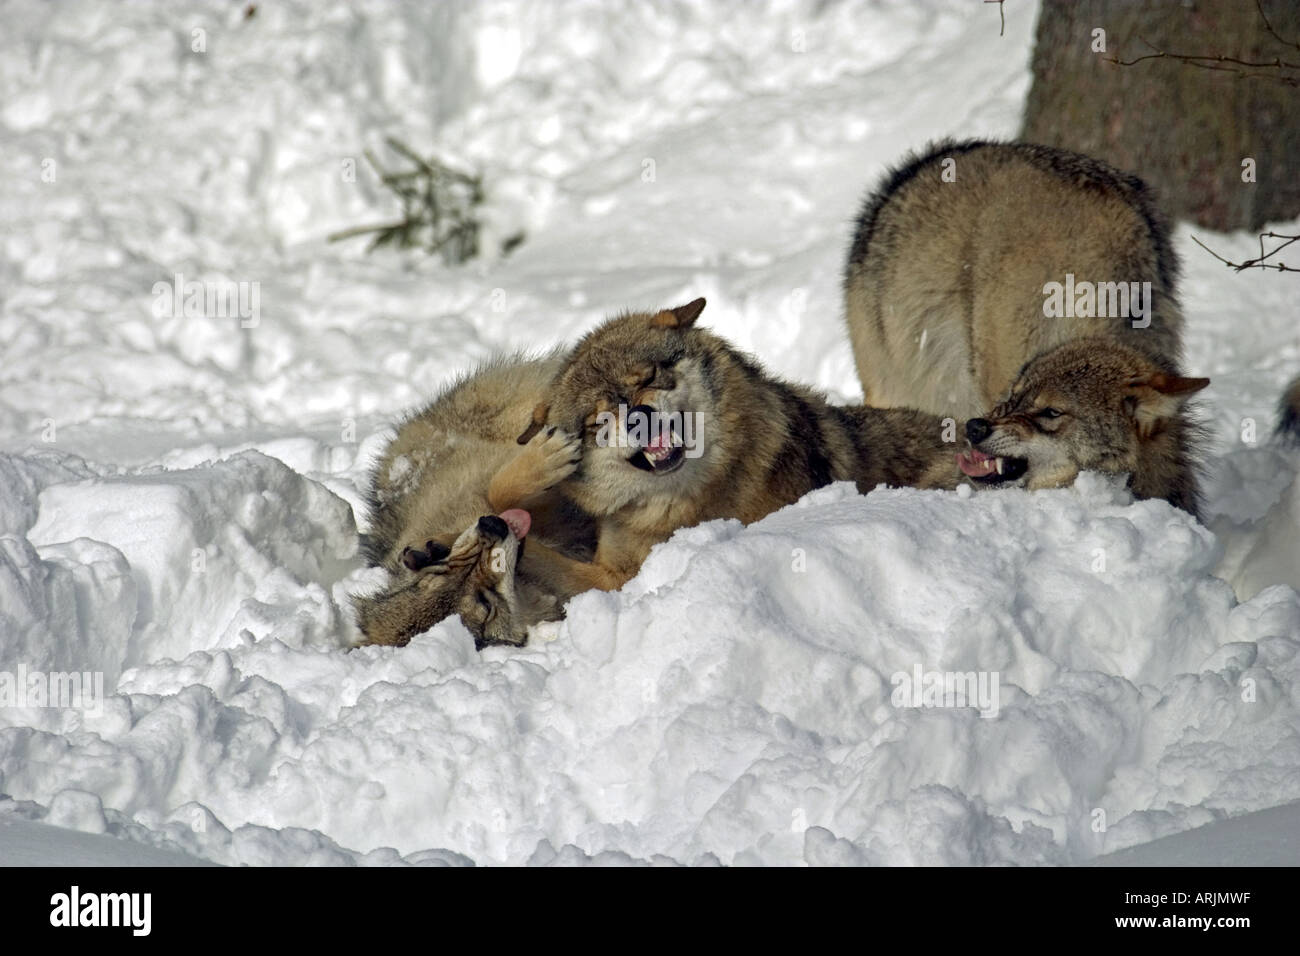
{"x": 494, "y": 526}
{"x": 978, "y": 429}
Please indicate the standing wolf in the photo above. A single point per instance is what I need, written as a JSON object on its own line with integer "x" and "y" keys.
{"x": 448, "y": 521}
{"x": 678, "y": 428}
{"x": 1036, "y": 283}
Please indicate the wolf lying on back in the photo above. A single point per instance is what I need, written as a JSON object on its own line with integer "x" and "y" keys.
{"x": 948, "y": 289}
{"x": 447, "y": 503}
{"x": 755, "y": 443}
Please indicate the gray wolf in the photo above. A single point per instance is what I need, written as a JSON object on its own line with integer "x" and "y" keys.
{"x": 463, "y": 519}
{"x": 1033, "y": 292}
{"x": 677, "y": 427}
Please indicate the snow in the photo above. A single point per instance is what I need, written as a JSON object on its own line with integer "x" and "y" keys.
{"x": 1263, "y": 838}
{"x": 177, "y": 494}
{"x": 37, "y": 844}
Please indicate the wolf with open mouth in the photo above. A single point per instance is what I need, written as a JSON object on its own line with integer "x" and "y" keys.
{"x": 677, "y": 427}
{"x": 1088, "y": 405}
{"x": 961, "y": 299}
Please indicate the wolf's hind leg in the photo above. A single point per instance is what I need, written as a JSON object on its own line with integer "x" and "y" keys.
{"x": 568, "y": 576}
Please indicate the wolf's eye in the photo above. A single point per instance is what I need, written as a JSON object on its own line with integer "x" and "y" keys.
{"x": 664, "y": 379}
{"x": 639, "y": 377}
{"x": 1049, "y": 413}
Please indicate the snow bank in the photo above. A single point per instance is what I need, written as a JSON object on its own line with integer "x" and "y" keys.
{"x": 737, "y": 702}
{"x": 177, "y": 494}
{"x": 233, "y": 551}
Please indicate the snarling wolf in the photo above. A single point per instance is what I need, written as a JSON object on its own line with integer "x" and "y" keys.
{"x": 463, "y": 519}
{"x": 1032, "y": 291}
{"x": 678, "y": 427}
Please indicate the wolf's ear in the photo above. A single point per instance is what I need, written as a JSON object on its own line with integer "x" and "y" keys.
{"x": 540, "y": 412}
{"x": 682, "y": 317}
{"x": 1158, "y": 397}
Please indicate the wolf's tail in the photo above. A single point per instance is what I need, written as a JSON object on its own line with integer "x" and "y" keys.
{"x": 1288, "y": 414}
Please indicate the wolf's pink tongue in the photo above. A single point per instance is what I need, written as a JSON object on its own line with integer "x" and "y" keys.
{"x": 976, "y": 464}
{"x": 661, "y": 442}
{"x": 519, "y": 521}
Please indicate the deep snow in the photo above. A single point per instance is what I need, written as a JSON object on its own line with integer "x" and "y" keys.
{"x": 174, "y": 500}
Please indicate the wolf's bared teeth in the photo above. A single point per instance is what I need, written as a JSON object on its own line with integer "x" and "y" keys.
{"x": 1000, "y": 461}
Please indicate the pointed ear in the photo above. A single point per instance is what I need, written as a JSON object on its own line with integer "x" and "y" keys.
{"x": 1158, "y": 397}
{"x": 682, "y": 317}
{"x": 1176, "y": 384}
{"x": 539, "y": 421}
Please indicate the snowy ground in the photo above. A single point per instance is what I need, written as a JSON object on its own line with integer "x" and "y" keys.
{"x": 175, "y": 491}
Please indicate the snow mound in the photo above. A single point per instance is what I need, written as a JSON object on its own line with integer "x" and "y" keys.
{"x": 164, "y": 563}
{"x": 738, "y": 702}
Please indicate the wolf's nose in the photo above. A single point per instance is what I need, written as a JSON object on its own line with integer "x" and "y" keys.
{"x": 977, "y": 429}
{"x": 641, "y": 416}
{"x": 491, "y": 524}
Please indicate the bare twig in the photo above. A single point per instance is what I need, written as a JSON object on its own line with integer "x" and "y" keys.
{"x": 1260, "y": 262}
{"x": 363, "y": 231}
{"x": 1221, "y": 62}
{"x": 1275, "y": 63}
{"x": 1269, "y": 27}
{"x": 1002, "y": 12}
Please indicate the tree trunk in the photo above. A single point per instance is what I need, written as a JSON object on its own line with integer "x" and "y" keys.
{"x": 1184, "y": 129}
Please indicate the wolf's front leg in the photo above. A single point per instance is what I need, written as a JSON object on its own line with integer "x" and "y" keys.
{"x": 548, "y": 458}
{"x": 396, "y": 615}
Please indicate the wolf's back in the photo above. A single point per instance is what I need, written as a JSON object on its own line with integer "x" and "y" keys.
{"x": 952, "y": 256}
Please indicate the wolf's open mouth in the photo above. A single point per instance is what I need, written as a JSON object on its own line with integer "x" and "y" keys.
{"x": 665, "y": 453}
{"x": 990, "y": 469}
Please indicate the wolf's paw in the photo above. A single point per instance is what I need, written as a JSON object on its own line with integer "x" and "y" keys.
{"x": 419, "y": 557}
{"x": 544, "y": 461}
{"x": 554, "y": 455}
